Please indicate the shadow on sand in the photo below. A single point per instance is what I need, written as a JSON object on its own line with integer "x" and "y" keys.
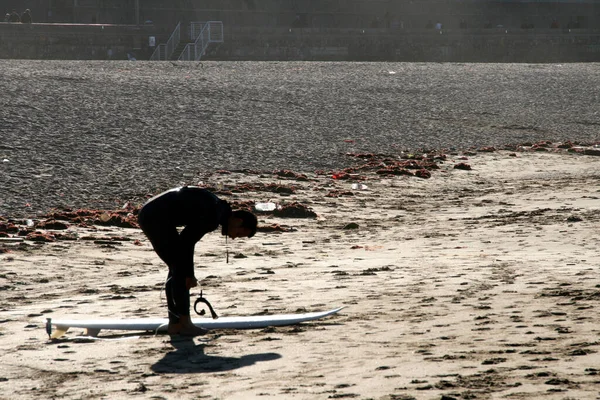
{"x": 189, "y": 358}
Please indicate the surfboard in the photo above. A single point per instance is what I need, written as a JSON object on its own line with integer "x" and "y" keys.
{"x": 94, "y": 326}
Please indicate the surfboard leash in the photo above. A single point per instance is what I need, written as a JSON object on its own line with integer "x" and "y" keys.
{"x": 205, "y": 301}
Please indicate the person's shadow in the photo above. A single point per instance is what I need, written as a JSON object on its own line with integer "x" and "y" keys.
{"x": 189, "y": 358}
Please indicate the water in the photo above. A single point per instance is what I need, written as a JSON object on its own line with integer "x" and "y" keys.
{"x": 83, "y": 133}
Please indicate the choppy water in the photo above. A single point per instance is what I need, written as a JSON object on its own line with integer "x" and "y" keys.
{"x": 119, "y": 129}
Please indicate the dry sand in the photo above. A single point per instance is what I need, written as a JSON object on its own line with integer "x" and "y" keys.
{"x": 472, "y": 284}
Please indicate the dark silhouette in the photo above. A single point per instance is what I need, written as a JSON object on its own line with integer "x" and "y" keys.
{"x": 387, "y": 18}
{"x": 14, "y": 17}
{"x": 199, "y": 212}
{"x": 573, "y": 25}
{"x": 26, "y": 17}
{"x": 187, "y": 357}
{"x": 300, "y": 21}
{"x": 527, "y": 25}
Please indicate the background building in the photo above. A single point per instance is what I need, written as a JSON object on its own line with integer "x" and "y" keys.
{"x": 404, "y": 14}
{"x": 393, "y": 30}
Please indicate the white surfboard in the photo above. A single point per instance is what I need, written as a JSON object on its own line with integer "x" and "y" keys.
{"x": 94, "y": 326}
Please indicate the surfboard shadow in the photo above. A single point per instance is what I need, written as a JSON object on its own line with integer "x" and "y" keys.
{"x": 189, "y": 358}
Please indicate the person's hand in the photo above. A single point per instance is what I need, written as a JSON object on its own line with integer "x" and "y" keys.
{"x": 190, "y": 283}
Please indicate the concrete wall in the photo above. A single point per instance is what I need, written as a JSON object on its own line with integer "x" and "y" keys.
{"x": 455, "y": 45}
{"x": 75, "y": 41}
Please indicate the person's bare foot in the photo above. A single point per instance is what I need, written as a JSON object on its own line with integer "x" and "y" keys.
{"x": 185, "y": 327}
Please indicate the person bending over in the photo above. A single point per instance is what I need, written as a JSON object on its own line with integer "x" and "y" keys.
{"x": 198, "y": 211}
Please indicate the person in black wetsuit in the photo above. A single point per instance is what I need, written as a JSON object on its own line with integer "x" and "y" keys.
{"x": 199, "y": 212}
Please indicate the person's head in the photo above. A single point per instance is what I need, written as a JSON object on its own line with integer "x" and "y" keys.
{"x": 241, "y": 224}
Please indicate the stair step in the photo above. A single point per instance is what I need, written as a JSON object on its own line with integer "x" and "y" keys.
{"x": 179, "y": 49}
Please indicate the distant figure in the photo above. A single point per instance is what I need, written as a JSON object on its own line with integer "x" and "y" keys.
{"x": 438, "y": 26}
{"x": 527, "y": 25}
{"x": 131, "y": 57}
{"x": 14, "y": 17}
{"x": 573, "y": 24}
{"x": 7, "y": 17}
{"x": 26, "y": 17}
{"x": 375, "y": 22}
{"x": 387, "y": 20}
{"x": 554, "y": 24}
{"x": 296, "y": 23}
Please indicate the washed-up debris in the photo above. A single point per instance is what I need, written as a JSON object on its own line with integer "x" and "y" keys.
{"x": 265, "y": 207}
{"x": 261, "y": 187}
{"x": 8, "y": 227}
{"x": 38, "y": 236}
{"x": 284, "y": 173}
{"x": 251, "y": 187}
{"x": 359, "y": 186}
{"x": 423, "y": 173}
{"x": 394, "y": 171}
{"x": 463, "y": 166}
{"x": 274, "y": 228}
{"x": 51, "y": 224}
{"x": 294, "y": 210}
{"x": 123, "y": 218}
{"x": 347, "y": 175}
{"x": 339, "y": 193}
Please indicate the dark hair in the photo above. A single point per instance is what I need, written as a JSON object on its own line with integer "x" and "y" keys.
{"x": 249, "y": 220}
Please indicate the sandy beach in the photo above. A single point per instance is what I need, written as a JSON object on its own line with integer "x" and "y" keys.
{"x": 468, "y": 272}
{"x": 472, "y": 284}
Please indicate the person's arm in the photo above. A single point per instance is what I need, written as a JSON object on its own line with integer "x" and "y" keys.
{"x": 190, "y": 235}
{"x": 199, "y": 208}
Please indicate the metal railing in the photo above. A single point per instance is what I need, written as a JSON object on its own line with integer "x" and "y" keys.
{"x": 188, "y": 53}
{"x": 215, "y": 31}
{"x": 173, "y": 41}
{"x": 159, "y": 53}
{"x": 207, "y": 33}
{"x": 195, "y": 29}
{"x": 165, "y": 51}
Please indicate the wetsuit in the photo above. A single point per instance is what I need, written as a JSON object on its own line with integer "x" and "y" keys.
{"x": 199, "y": 212}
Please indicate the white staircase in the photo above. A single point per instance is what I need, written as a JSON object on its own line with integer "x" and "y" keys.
{"x": 201, "y": 36}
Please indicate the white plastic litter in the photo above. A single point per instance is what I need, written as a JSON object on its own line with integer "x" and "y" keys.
{"x": 359, "y": 186}
{"x": 269, "y": 206}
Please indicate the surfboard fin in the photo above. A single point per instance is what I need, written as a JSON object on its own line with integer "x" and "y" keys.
{"x": 49, "y": 327}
